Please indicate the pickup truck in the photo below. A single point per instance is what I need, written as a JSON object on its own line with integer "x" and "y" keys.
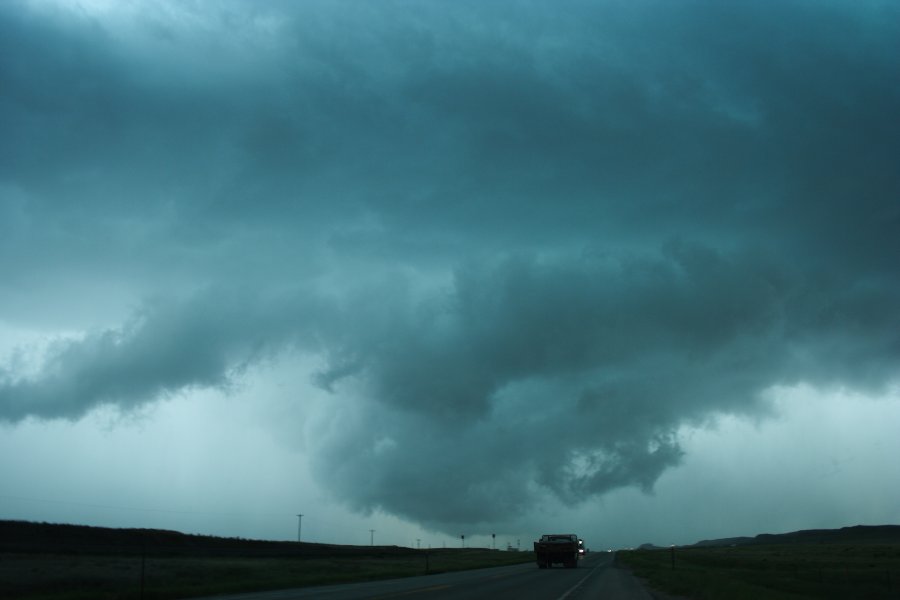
{"x": 563, "y": 548}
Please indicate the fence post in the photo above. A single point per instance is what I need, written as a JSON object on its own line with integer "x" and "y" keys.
{"x": 143, "y": 563}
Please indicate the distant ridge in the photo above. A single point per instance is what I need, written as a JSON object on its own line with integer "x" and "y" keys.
{"x": 869, "y": 534}
{"x": 735, "y": 541}
{"x": 649, "y": 546}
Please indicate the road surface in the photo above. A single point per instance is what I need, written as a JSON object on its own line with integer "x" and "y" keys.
{"x": 596, "y": 577}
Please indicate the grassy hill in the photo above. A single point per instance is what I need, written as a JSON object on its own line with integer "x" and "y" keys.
{"x": 24, "y": 536}
{"x": 851, "y": 562}
{"x": 75, "y": 562}
{"x": 858, "y": 534}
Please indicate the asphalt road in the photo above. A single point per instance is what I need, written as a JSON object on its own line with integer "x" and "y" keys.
{"x": 596, "y": 577}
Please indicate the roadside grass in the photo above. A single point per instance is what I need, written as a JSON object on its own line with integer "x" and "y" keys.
{"x": 776, "y": 572}
{"x": 99, "y": 577}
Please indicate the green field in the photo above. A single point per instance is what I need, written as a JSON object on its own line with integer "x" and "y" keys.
{"x": 777, "y": 572}
{"x": 65, "y": 562}
{"x": 71, "y": 577}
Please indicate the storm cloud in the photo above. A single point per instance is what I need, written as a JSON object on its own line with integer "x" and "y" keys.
{"x": 524, "y": 245}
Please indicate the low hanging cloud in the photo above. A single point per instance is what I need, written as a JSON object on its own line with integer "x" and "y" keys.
{"x": 167, "y": 347}
{"x": 572, "y": 376}
{"x": 526, "y": 376}
{"x": 590, "y": 226}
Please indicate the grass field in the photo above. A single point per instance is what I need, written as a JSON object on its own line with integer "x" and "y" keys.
{"x": 97, "y": 577}
{"x": 41, "y": 561}
{"x": 776, "y": 572}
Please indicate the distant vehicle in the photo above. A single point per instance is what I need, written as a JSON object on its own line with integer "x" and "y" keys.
{"x": 563, "y": 548}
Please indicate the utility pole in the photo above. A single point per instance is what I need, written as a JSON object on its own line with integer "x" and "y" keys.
{"x": 418, "y": 544}
{"x": 463, "y": 537}
{"x": 493, "y": 541}
{"x": 372, "y": 537}
{"x": 299, "y": 526}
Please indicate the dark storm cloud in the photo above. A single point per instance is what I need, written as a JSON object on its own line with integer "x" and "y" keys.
{"x": 575, "y": 374}
{"x": 591, "y": 225}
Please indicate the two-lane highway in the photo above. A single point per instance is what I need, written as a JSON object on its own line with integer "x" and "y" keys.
{"x": 596, "y": 577}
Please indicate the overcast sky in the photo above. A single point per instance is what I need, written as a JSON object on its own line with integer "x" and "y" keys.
{"x": 628, "y": 269}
